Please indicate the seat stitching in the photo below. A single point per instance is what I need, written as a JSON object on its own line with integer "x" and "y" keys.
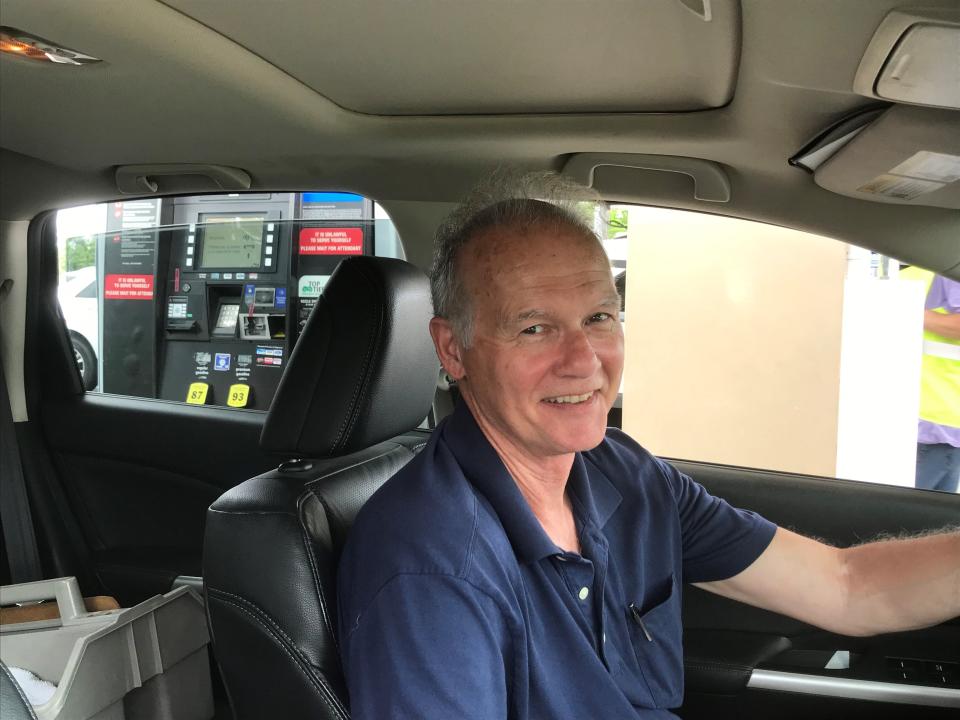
{"x": 258, "y": 609}
{"x": 349, "y": 419}
{"x": 249, "y": 512}
{"x": 349, "y": 467}
{"x": 279, "y": 636}
{"x": 316, "y": 581}
{"x": 323, "y": 691}
{"x": 377, "y": 341}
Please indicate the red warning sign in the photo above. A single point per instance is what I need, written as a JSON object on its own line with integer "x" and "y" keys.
{"x": 128, "y": 287}
{"x": 331, "y": 241}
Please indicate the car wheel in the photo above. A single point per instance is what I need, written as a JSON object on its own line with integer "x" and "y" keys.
{"x": 86, "y": 360}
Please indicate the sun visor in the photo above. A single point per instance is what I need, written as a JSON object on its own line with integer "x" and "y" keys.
{"x": 909, "y": 156}
{"x": 424, "y": 57}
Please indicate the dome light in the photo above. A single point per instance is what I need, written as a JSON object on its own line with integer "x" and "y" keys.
{"x": 20, "y": 44}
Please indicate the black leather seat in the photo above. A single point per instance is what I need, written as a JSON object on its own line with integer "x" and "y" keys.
{"x": 358, "y": 383}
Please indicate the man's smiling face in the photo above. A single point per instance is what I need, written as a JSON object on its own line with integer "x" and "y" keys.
{"x": 545, "y": 359}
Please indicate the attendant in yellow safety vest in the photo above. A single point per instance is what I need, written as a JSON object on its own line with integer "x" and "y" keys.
{"x": 938, "y": 437}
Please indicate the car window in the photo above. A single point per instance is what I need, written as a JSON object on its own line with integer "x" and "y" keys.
{"x": 201, "y": 299}
{"x": 90, "y": 291}
{"x": 760, "y": 346}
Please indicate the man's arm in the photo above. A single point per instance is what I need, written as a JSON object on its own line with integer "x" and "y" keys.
{"x": 945, "y": 324}
{"x": 880, "y": 587}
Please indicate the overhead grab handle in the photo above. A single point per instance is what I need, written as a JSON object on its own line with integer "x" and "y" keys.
{"x": 710, "y": 181}
{"x": 143, "y": 179}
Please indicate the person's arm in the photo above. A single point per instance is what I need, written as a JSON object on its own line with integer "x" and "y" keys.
{"x": 945, "y": 324}
{"x": 885, "y": 586}
{"x": 428, "y": 646}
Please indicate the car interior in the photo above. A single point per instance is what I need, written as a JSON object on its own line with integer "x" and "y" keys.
{"x": 146, "y": 471}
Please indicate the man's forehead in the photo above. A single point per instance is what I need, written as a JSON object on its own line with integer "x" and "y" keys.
{"x": 596, "y": 292}
{"x": 594, "y": 286}
{"x": 528, "y": 288}
{"x": 509, "y": 246}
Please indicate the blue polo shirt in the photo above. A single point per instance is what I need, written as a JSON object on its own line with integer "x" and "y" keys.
{"x": 454, "y": 603}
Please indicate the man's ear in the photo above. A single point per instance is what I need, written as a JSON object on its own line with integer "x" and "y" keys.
{"x": 447, "y": 346}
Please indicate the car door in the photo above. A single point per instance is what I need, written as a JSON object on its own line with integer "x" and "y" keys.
{"x": 121, "y": 483}
{"x": 745, "y": 662}
{"x": 769, "y": 363}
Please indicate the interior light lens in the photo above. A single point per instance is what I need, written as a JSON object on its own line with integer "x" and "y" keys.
{"x": 20, "y": 44}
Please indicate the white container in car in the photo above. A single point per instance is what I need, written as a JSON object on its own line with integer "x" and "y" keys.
{"x": 148, "y": 662}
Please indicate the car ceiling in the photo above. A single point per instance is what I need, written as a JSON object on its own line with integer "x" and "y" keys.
{"x": 411, "y": 102}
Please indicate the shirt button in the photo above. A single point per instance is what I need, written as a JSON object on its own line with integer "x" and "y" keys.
{"x": 584, "y": 592}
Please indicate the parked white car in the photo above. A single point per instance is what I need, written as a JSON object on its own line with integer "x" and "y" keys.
{"x": 79, "y": 298}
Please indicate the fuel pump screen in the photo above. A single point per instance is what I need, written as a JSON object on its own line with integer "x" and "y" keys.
{"x": 231, "y": 241}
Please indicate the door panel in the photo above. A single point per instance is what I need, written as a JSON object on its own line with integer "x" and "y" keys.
{"x": 140, "y": 474}
{"x": 738, "y": 658}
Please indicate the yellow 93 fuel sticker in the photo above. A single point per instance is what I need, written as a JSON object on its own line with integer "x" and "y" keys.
{"x": 197, "y": 394}
{"x": 238, "y": 395}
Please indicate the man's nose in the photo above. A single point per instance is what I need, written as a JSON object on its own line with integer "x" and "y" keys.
{"x": 579, "y": 356}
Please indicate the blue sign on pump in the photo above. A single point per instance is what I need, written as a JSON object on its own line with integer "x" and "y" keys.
{"x": 331, "y": 197}
{"x": 280, "y": 299}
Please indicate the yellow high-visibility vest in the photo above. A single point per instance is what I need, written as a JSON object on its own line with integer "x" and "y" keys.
{"x": 940, "y": 375}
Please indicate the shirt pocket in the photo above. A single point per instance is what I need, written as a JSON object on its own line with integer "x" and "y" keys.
{"x": 656, "y": 633}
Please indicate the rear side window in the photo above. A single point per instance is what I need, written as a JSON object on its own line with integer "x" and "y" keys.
{"x": 201, "y": 299}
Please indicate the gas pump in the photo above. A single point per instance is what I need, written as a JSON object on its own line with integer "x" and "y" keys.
{"x": 325, "y": 236}
{"x": 229, "y": 281}
{"x": 218, "y": 345}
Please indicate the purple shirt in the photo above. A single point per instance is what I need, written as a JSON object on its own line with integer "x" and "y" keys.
{"x": 943, "y": 293}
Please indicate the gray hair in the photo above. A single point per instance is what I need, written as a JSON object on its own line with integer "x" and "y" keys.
{"x": 505, "y": 199}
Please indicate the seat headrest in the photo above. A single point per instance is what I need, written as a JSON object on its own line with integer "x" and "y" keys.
{"x": 364, "y": 369}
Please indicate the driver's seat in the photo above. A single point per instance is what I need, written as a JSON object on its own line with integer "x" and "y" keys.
{"x": 359, "y": 382}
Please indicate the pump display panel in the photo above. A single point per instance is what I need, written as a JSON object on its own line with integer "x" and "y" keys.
{"x": 231, "y": 242}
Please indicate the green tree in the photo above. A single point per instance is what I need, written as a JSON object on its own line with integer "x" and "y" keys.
{"x": 616, "y": 221}
{"x": 80, "y": 252}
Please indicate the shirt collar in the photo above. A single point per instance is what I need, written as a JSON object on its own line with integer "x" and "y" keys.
{"x": 593, "y": 488}
{"x": 593, "y": 492}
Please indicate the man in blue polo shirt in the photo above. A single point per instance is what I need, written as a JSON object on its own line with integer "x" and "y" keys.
{"x": 529, "y": 562}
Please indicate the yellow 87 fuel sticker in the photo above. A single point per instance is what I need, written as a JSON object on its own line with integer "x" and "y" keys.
{"x": 197, "y": 393}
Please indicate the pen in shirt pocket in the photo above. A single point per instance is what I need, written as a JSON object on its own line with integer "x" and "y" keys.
{"x": 638, "y": 619}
